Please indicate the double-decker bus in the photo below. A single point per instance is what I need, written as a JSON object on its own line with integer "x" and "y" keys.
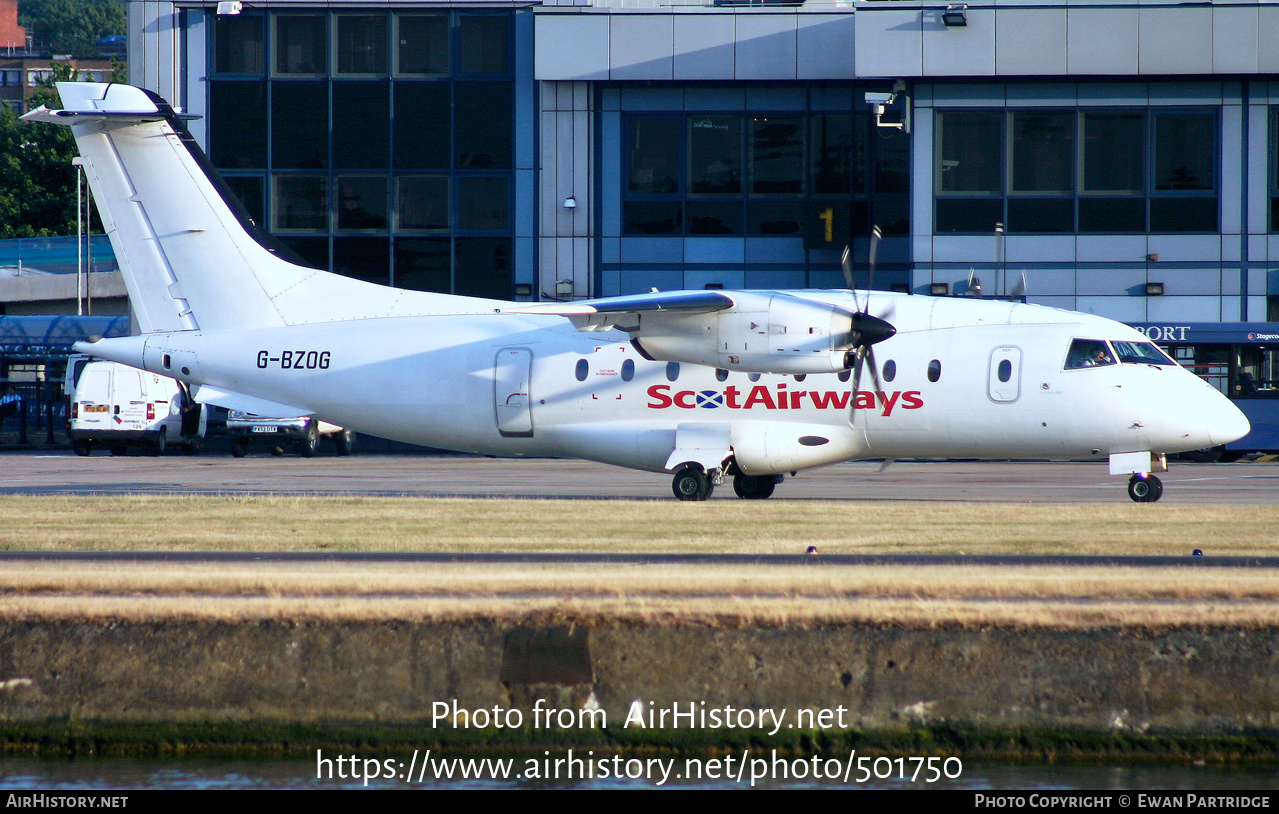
{"x": 1241, "y": 359}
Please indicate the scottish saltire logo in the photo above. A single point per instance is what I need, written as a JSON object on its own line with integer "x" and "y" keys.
{"x": 710, "y": 399}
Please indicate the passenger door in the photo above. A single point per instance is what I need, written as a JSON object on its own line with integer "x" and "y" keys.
{"x": 512, "y": 375}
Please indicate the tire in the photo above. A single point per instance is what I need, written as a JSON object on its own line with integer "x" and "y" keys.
{"x": 82, "y": 447}
{"x": 1145, "y": 490}
{"x": 310, "y": 442}
{"x": 240, "y": 447}
{"x": 690, "y": 483}
{"x": 1230, "y": 456}
{"x": 193, "y": 446}
{"x": 161, "y": 442}
{"x": 345, "y": 441}
{"x": 754, "y": 487}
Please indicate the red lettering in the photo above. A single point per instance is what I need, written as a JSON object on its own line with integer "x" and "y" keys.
{"x": 911, "y": 400}
{"x": 795, "y": 398}
{"x": 760, "y": 395}
{"x": 658, "y": 393}
{"x": 888, "y": 400}
{"x": 730, "y": 397}
{"x": 681, "y": 399}
{"x": 830, "y": 398}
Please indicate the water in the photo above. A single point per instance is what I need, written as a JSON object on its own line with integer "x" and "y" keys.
{"x": 70, "y": 774}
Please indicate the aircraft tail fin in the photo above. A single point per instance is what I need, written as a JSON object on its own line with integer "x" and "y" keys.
{"x": 190, "y": 255}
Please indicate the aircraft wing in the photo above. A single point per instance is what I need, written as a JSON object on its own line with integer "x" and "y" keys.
{"x": 752, "y": 331}
{"x": 620, "y": 312}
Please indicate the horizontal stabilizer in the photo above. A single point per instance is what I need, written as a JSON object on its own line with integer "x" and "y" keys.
{"x": 206, "y": 394}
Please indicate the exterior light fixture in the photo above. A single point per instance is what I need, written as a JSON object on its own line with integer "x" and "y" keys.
{"x": 939, "y": 289}
{"x": 229, "y": 8}
{"x": 956, "y": 14}
{"x": 570, "y": 202}
{"x": 1154, "y": 289}
{"x": 523, "y": 289}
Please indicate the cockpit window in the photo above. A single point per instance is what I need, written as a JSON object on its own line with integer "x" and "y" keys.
{"x": 1141, "y": 353}
{"x": 1088, "y": 353}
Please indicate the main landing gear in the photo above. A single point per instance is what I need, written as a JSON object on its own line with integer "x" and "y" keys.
{"x": 1145, "y": 488}
{"x": 691, "y": 483}
{"x": 694, "y": 483}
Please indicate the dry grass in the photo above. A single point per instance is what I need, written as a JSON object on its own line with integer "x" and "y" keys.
{"x": 148, "y": 522}
{"x": 808, "y": 594}
{"x": 929, "y": 596}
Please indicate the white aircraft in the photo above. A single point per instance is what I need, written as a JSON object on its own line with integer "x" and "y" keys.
{"x": 703, "y": 384}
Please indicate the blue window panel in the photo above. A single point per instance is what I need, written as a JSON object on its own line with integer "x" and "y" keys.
{"x": 652, "y": 250}
{"x": 639, "y": 282}
{"x": 775, "y": 249}
{"x": 715, "y": 250}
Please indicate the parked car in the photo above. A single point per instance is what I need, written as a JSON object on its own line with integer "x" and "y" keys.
{"x": 303, "y": 433}
{"x": 117, "y": 406}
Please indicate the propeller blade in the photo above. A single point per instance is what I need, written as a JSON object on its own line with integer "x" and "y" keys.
{"x": 874, "y": 370}
{"x": 846, "y": 264}
{"x": 875, "y": 235}
{"x": 1019, "y": 290}
{"x": 857, "y": 384}
{"x": 884, "y": 466}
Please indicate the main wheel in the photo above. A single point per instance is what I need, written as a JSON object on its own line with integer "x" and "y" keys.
{"x": 240, "y": 447}
{"x": 83, "y": 447}
{"x": 690, "y": 483}
{"x": 754, "y": 487}
{"x": 345, "y": 441}
{"x": 311, "y": 441}
{"x": 1145, "y": 489}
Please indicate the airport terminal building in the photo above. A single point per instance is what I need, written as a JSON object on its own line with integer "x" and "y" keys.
{"x": 1119, "y": 156}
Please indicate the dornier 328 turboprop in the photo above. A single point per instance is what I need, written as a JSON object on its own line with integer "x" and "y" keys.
{"x": 706, "y": 385}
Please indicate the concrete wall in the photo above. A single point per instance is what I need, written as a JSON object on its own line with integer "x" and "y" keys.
{"x": 1187, "y": 681}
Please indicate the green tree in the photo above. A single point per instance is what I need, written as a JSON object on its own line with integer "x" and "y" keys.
{"x": 37, "y": 180}
{"x": 71, "y": 26}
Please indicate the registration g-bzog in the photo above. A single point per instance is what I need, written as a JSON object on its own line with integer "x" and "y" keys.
{"x": 294, "y": 359}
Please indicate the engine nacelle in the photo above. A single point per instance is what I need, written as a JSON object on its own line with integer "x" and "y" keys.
{"x": 761, "y": 333}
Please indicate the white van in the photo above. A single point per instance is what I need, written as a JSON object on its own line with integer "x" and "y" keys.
{"x": 117, "y": 406}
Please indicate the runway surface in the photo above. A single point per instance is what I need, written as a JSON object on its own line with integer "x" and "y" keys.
{"x": 23, "y": 473}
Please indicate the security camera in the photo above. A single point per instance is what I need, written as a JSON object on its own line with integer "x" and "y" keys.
{"x": 880, "y": 99}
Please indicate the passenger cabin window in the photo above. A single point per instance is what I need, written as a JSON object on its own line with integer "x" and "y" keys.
{"x": 672, "y": 371}
{"x": 628, "y": 370}
{"x": 844, "y": 375}
{"x": 934, "y": 370}
{"x": 1088, "y": 353}
{"x": 753, "y": 376}
{"x": 721, "y": 374}
{"x": 582, "y": 369}
{"x": 1141, "y": 353}
{"x": 890, "y": 370}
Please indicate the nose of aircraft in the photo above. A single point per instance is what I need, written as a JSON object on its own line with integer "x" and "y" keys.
{"x": 1226, "y": 422}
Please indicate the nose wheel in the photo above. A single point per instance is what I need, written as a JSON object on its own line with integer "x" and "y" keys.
{"x": 1145, "y": 488}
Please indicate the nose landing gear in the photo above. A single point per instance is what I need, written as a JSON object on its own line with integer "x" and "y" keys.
{"x": 1145, "y": 488}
